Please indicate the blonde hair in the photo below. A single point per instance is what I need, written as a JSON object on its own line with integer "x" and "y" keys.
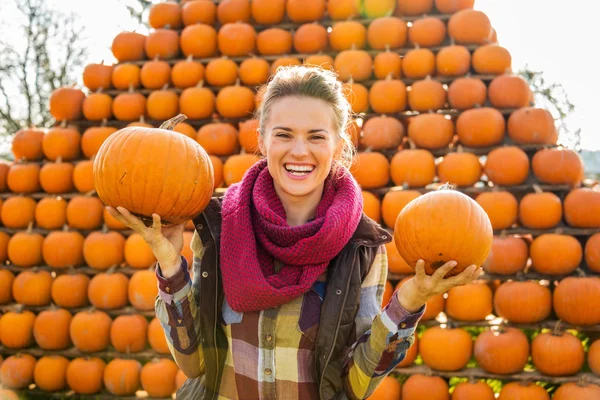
{"x": 315, "y": 82}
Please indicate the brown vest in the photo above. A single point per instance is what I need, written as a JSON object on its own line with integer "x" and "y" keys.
{"x": 340, "y": 305}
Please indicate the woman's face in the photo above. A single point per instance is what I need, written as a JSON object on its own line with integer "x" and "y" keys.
{"x": 300, "y": 142}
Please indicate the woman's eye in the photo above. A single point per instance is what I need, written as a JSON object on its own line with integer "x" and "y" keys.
{"x": 317, "y": 137}
{"x": 282, "y": 134}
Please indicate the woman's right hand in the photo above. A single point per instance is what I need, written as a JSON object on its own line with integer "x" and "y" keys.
{"x": 166, "y": 243}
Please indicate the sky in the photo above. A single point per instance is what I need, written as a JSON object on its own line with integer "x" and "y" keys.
{"x": 549, "y": 35}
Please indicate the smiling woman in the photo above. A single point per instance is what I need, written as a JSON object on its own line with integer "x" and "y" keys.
{"x": 292, "y": 272}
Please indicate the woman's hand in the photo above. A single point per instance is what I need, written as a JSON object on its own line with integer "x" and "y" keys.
{"x": 166, "y": 243}
{"x": 416, "y": 291}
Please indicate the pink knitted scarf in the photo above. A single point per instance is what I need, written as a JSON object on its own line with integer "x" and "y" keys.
{"x": 254, "y": 233}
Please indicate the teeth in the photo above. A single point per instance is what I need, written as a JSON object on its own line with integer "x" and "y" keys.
{"x": 299, "y": 168}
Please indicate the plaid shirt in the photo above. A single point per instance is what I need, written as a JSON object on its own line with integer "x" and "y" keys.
{"x": 271, "y": 353}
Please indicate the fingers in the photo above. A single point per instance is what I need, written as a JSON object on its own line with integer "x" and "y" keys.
{"x": 464, "y": 277}
{"x": 124, "y": 216}
{"x": 420, "y": 270}
{"x": 156, "y": 225}
{"x": 441, "y": 272}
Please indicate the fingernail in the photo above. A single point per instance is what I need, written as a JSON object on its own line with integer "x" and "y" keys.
{"x": 453, "y": 263}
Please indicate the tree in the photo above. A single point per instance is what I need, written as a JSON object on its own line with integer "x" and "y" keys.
{"x": 43, "y": 52}
{"x": 552, "y": 96}
{"x": 138, "y": 9}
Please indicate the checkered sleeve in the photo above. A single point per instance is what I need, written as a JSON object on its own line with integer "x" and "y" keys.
{"x": 177, "y": 310}
{"x": 384, "y": 336}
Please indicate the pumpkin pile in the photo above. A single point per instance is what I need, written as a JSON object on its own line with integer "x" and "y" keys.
{"x": 434, "y": 102}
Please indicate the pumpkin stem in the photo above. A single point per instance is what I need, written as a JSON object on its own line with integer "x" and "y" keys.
{"x": 557, "y": 331}
{"x": 105, "y": 122}
{"x": 165, "y": 86}
{"x": 389, "y": 76}
{"x": 580, "y": 272}
{"x": 30, "y": 227}
{"x": 63, "y": 124}
{"x": 171, "y": 123}
{"x": 200, "y": 84}
{"x": 537, "y": 188}
{"x": 460, "y": 148}
{"x": 58, "y": 160}
{"x": 90, "y": 193}
{"x": 111, "y": 270}
{"x": 190, "y": 58}
{"x": 19, "y": 308}
{"x": 559, "y": 230}
{"x": 65, "y": 228}
{"x": 104, "y": 228}
{"x": 446, "y": 186}
{"x": 131, "y": 89}
{"x": 411, "y": 144}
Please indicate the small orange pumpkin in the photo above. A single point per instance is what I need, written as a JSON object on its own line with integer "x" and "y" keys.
{"x": 66, "y": 103}
{"x": 128, "y": 46}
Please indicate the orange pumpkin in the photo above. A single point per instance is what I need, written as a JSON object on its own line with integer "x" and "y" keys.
{"x": 557, "y": 166}
{"x": 388, "y": 96}
{"x": 453, "y": 60}
{"x": 197, "y": 102}
{"x": 126, "y": 76}
{"x": 17, "y": 329}
{"x": 143, "y": 289}
{"x": 582, "y": 208}
{"x": 16, "y": 371}
{"x": 418, "y": 387}
{"x": 108, "y": 291}
{"x": 128, "y": 333}
{"x": 63, "y": 141}
{"x": 418, "y": 63}
{"x": 591, "y": 252}
{"x": 186, "y": 73}
{"x": 221, "y": 72}
{"x": 23, "y": 178}
{"x": 371, "y": 170}
{"x": 540, "y": 210}
{"x": 469, "y": 26}
{"x": 464, "y": 93}
{"x": 51, "y": 329}
{"x": 158, "y": 377}
{"x": 427, "y": 32}
{"x": 103, "y": 249}
{"x": 90, "y": 330}
{"x": 129, "y": 106}
{"x": 233, "y": 10}
{"x": 235, "y": 102}
{"x": 473, "y": 390}
{"x": 507, "y": 166}
{"x": 156, "y": 337}
{"x": 508, "y": 255}
{"x": 446, "y": 349}
{"x": 155, "y": 74}
{"x": 388, "y": 388}
{"x": 371, "y": 206}
{"x": 128, "y": 46}
{"x": 452, "y": 6}
{"x": 393, "y": 202}
{"x": 380, "y": 133}
{"x": 526, "y": 302}
{"x": 93, "y": 137}
{"x": 66, "y": 103}
{"x": 50, "y": 373}
{"x": 97, "y": 106}
{"x": 25, "y": 249}
{"x": 63, "y": 249}
{"x": 198, "y": 40}
{"x": 491, "y": 59}
{"x": 217, "y": 164}
{"x": 355, "y": 64}
{"x": 97, "y": 76}
{"x": 194, "y": 189}
{"x": 198, "y": 12}
{"x": 305, "y": 10}
{"x": 579, "y": 391}
{"x": 218, "y": 138}
{"x": 83, "y": 177}
{"x": 70, "y": 290}
{"x": 284, "y": 61}
{"x": 162, "y": 43}
{"x": 6, "y": 281}
{"x": 162, "y": 104}
{"x": 84, "y": 375}
{"x": 504, "y": 351}
{"x": 236, "y": 39}
{"x": 396, "y": 264}
{"x": 480, "y": 127}
{"x": 530, "y": 125}
{"x": 387, "y": 33}
{"x": 254, "y": 71}
{"x": 341, "y": 9}
{"x": 345, "y": 35}
{"x": 573, "y": 300}
{"x": 568, "y": 361}
{"x": 121, "y": 376}
{"x": 236, "y": 166}
{"x": 387, "y": 63}
{"x": 470, "y": 302}
{"x": 267, "y": 12}
{"x": 412, "y": 7}
{"x": 310, "y": 38}
{"x": 593, "y": 356}
{"x": 18, "y": 212}
{"x": 426, "y": 94}
{"x": 556, "y": 254}
{"x": 437, "y": 246}
{"x": 27, "y": 144}
{"x": 431, "y": 131}
{"x": 248, "y": 135}
{"x": 509, "y": 91}
{"x": 413, "y": 167}
{"x": 84, "y": 212}
{"x": 32, "y": 288}
{"x": 460, "y": 169}
{"x": 138, "y": 254}
{"x": 501, "y": 208}
{"x": 165, "y": 15}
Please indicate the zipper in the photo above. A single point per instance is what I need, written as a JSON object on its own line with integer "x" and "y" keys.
{"x": 337, "y": 325}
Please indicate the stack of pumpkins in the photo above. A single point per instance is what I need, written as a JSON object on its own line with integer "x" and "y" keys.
{"x": 434, "y": 101}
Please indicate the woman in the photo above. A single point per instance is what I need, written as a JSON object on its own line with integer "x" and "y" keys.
{"x": 289, "y": 273}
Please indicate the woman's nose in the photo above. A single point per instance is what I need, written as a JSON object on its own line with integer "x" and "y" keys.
{"x": 299, "y": 147}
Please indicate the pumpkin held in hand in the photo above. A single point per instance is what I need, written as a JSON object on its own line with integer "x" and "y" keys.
{"x": 441, "y": 226}
{"x": 149, "y": 170}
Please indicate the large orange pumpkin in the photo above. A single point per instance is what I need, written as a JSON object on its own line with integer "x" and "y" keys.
{"x": 530, "y": 125}
{"x": 446, "y": 349}
{"x": 525, "y": 302}
{"x": 504, "y": 351}
{"x": 66, "y": 103}
{"x": 27, "y": 144}
{"x": 127, "y": 164}
{"x": 577, "y": 390}
{"x": 419, "y": 387}
{"x": 523, "y": 390}
{"x": 557, "y": 353}
{"x": 128, "y": 46}
{"x": 50, "y": 373}
{"x": 469, "y": 26}
{"x": 122, "y": 376}
{"x": 427, "y": 229}
{"x": 97, "y": 76}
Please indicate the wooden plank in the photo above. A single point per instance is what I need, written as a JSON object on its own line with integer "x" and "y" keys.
{"x": 72, "y": 352}
{"x": 112, "y": 313}
{"x": 547, "y": 324}
{"x": 82, "y": 269}
{"x": 480, "y": 373}
{"x": 35, "y": 393}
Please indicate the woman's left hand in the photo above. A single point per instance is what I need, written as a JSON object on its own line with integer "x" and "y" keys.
{"x": 416, "y": 291}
